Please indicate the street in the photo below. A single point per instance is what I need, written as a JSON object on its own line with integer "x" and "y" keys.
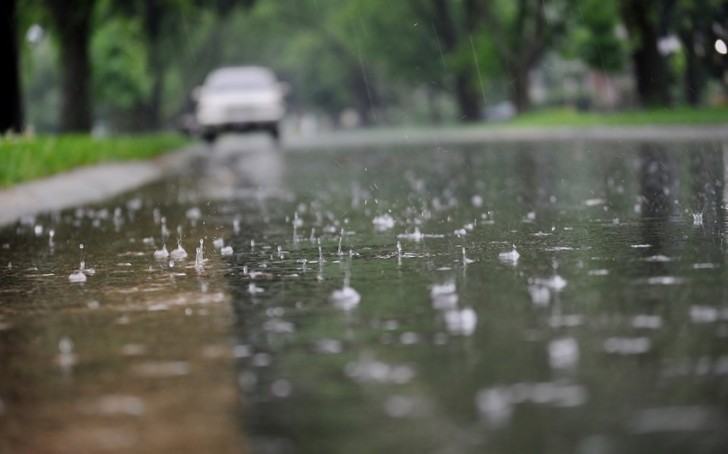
{"x": 397, "y": 297}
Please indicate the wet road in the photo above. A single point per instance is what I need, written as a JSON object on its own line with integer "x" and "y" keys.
{"x": 535, "y": 297}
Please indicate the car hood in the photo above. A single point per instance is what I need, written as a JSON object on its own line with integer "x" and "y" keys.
{"x": 241, "y": 97}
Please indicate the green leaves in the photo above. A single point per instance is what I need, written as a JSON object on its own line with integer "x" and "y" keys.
{"x": 120, "y": 77}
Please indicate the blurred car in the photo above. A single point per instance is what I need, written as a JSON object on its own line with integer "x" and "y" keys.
{"x": 243, "y": 98}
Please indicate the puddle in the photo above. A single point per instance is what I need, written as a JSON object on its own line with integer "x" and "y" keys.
{"x": 465, "y": 299}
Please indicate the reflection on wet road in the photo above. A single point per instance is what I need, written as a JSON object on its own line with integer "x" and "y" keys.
{"x": 556, "y": 298}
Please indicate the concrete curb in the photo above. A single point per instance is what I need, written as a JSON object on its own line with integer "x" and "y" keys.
{"x": 96, "y": 183}
{"x": 495, "y": 135}
{"x": 86, "y": 185}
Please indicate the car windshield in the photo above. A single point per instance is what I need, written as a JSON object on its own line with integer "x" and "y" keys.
{"x": 239, "y": 80}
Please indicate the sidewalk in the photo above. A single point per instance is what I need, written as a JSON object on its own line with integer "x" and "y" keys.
{"x": 96, "y": 183}
{"x": 85, "y": 185}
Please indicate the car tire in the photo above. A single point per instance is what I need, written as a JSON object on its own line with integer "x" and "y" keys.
{"x": 275, "y": 132}
{"x": 209, "y": 137}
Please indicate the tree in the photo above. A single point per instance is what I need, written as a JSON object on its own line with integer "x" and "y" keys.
{"x": 439, "y": 44}
{"x": 161, "y": 31}
{"x": 11, "y": 115}
{"x": 455, "y": 36}
{"x": 523, "y": 33}
{"x": 333, "y": 36}
{"x": 699, "y": 23}
{"x": 71, "y": 20}
{"x": 594, "y": 38}
{"x": 651, "y": 72}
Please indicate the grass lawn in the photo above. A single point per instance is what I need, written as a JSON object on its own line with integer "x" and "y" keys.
{"x": 676, "y": 116}
{"x": 23, "y": 159}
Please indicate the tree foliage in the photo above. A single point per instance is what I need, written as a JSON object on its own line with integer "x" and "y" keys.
{"x": 132, "y": 63}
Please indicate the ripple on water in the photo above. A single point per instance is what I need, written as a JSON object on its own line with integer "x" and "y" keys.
{"x": 665, "y": 280}
{"x": 370, "y": 370}
{"x": 115, "y": 405}
{"x": 496, "y": 405}
{"x": 401, "y": 406}
{"x": 627, "y": 345}
{"x": 461, "y": 322}
{"x": 161, "y": 369}
{"x": 675, "y": 419}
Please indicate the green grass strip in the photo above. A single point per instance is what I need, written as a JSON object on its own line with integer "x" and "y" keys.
{"x": 23, "y": 159}
{"x": 675, "y": 116}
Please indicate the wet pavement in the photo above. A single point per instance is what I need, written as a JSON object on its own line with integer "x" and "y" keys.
{"x": 564, "y": 296}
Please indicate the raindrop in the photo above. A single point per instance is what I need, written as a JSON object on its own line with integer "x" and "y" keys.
{"x": 161, "y": 254}
{"x": 199, "y": 256}
{"x": 345, "y": 298}
{"x": 281, "y": 388}
{"x": 443, "y": 296}
{"x": 328, "y": 346}
{"x": 476, "y": 201}
{"x": 540, "y": 294}
{"x": 495, "y": 406}
{"x": 466, "y": 260}
{"x": 321, "y": 253}
{"x": 79, "y": 276}
{"x": 697, "y": 219}
{"x": 254, "y": 289}
{"x": 165, "y": 230}
{"x": 511, "y": 257}
{"x": 563, "y": 353}
{"x": 297, "y": 222}
{"x": 627, "y": 345}
{"x": 66, "y": 357}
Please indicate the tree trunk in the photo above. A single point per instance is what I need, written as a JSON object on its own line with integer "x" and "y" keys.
{"x": 72, "y": 21}
{"x": 11, "y": 113}
{"x": 520, "y": 87}
{"x": 433, "y": 106}
{"x": 650, "y": 69}
{"x": 363, "y": 96}
{"x": 153, "y": 24}
{"x": 693, "y": 83}
{"x": 467, "y": 98}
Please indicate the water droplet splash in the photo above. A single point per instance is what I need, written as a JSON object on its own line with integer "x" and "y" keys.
{"x": 179, "y": 253}
{"x": 383, "y": 222}
{"x": 161, "y": 254}
{"x": 80, "y": 275}
{"x": 511, "y": 257}
{"x": 345, "y": 298}
{"x": 200, "y": 256}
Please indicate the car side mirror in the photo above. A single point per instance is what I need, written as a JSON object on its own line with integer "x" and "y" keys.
{"x": 195, "y": 93}
{"x": 285, "y": 88}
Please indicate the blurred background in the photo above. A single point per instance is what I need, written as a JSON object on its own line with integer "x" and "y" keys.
{"x": 110, "y": 66}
